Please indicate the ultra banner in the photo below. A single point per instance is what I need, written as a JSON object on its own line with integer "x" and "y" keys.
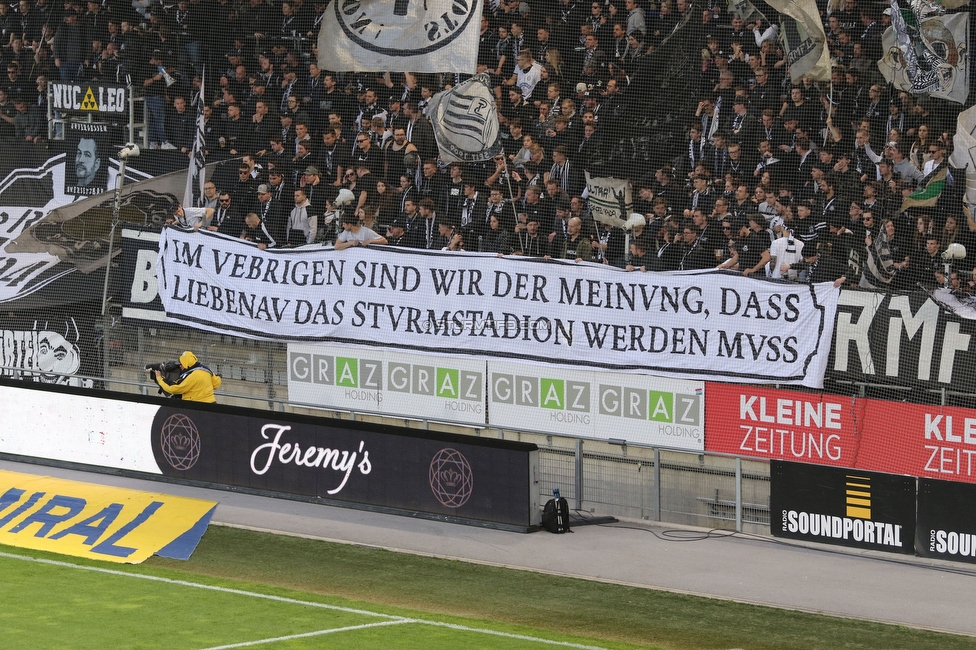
{"x": 905, "y": 339}
{"x": 695, "y": 325}
{"x": 894, "y": 437}
{"x": 842, "y": 506}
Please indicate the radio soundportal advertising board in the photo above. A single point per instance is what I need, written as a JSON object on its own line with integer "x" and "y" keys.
{"x": 636, "y": 408}
{"x": 394, "y": 383}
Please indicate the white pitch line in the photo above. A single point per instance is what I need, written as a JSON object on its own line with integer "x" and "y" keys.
{"x": 293, "y": 601}
{"x": 305, "y": 635}
{"x": 184, "y": 583}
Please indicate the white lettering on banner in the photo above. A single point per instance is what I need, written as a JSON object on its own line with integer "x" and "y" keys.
{"x": 789, "y": 442}
{"x": 291, "y": 453}
{"x": 952, "y": 543}
{"x": 834, "y": 527}
{"x": 698, "y": 325}
{"x": 863, "y": 312}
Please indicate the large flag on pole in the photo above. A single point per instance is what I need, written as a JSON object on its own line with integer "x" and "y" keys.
{"x": 926, "y": 51}
{"x": 929, "y": 190}
{"x": 804, "y": 38}
{"x": 196, "y": 174}
{"x": 400, "y": 35}
{"x": 611, "y": 199}
{"x": 465, "y": 121}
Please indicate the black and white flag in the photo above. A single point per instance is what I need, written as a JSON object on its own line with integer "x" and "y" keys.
{"x": 400, "y": 36}
{"x": 465, "y": 121}
{"x": 196, "y": 174}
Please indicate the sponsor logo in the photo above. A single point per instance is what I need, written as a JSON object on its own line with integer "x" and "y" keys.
{"x": 179, "y": 440}
{"x": 365, "y": 380}
{"x": 321, "y": 458}
{"x": 856, "y": 525}
{"x": 952, "y": 543}
{"x": 451, "y": 478}
{"x": 677, "y": 414}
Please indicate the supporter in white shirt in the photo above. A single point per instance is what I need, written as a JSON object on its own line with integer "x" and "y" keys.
{"x": 354, "y": 234}
{"x": 191, "y": 218}
{"x": 784, "y": 251}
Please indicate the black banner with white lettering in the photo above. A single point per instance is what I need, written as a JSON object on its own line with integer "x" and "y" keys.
{"x": 946, "y": 520}
{"x": 440, "y": 475}
{"x": 904, "y": 339}
{"x": 139, "y": 288}
{"x": 840, "y": 506}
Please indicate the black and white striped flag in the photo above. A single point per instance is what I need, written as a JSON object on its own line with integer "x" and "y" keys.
{"x": 196, "y": 174}
{"x": 465, "y": 121}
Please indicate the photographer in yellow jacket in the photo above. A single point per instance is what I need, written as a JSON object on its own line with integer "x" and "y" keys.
{"x": 196, "y": 383}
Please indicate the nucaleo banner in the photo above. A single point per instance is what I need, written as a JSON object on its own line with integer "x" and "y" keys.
{"x": 693, "y": 325}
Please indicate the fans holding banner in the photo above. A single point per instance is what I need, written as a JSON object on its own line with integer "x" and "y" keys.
{"x": 465, "y": 121}
{"x": 400, "y": 36}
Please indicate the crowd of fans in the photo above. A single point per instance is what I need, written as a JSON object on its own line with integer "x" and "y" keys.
{"x": 772, "y": 178}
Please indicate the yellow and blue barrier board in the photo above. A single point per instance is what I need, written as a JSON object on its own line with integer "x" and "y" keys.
{"x": 98, "y": 521}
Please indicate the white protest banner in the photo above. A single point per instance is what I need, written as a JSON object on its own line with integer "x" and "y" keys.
{"x": 697, "y": 324}
{"x": 400, "y": 36}
{"x": 392, "y": 383}
{"x": 638, "y": 409}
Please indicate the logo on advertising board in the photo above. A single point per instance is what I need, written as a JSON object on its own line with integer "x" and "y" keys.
{"x": 179, "y": 440}
{"x": 400, "y": 384}
{"x": 946, "y": 520}
{"x": 843, "y": 507}
{"x": 749, "y": 421}
{"x": 639, "y": 409}
{"x": 451, "y": 478}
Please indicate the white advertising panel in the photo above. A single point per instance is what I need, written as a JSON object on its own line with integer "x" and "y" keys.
{"x": 77, "y": 429}
{"x": 635, "y": 408}
{"x": 393, "y": 383}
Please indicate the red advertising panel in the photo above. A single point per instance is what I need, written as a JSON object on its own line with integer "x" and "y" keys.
{"x": 782, "y": 424}
{"x": 892, "y": 437}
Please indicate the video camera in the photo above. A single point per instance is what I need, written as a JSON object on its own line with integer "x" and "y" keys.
{"x": 171, "y": 373}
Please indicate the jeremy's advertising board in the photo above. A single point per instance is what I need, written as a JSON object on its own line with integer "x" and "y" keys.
{"x": 421, "y": 473}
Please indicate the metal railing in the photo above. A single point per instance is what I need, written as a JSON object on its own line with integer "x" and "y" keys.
{"x": 599, "y": 478}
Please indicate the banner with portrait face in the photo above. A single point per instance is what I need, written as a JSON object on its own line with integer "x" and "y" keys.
{"x": 88, "y": 146}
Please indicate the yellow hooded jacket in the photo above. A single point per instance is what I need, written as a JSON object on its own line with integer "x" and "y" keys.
{"x": 198, "y": 384}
